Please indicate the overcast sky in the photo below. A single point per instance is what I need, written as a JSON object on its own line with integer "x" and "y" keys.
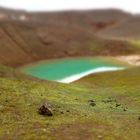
{"x": 51, "y": 5}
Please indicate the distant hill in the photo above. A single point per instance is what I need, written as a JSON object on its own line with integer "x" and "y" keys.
{"x": 128, "y": 29}
{"x": 96, "y": 19}
{"x": 29, "y": 37}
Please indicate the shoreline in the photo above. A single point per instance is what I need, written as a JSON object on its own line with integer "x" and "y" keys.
{"x": 76, "y": 77}
{"x": 123, "y": 60}
{"x": 106, "y": 58}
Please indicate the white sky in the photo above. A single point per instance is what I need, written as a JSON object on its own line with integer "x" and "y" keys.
{"x": 55, "y": 5}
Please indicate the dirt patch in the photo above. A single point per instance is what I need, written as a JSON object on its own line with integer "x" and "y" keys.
{"x": 131, "y": 59}
{"x": 83, "y": 131}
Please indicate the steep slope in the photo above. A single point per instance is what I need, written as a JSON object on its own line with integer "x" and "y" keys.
{"x": 21, "y": 43}
{"x": 40, "y": 36}
{"x": 24, "y": 43}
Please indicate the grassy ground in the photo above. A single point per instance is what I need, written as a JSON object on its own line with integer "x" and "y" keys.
{"x": 135, "y": 43}
{"x": 115, "y": 116}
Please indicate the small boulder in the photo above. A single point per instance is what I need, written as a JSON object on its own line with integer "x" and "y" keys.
{"x": 6, "y": 100}
{"x": 45, "y": 110}
{"x": 61, "y": 112}
{"x": 118, "y": 104}
{"x": 109, "y": 100}
{"x": 68, "y": 111}
{"x": 92, "y": 103}
{"x": 124, "y": 109}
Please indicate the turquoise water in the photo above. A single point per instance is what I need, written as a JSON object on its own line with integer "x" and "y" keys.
{"x": 60, "y": 69}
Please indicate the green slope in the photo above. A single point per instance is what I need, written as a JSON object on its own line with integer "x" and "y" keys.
{"x": 73, "y": 117}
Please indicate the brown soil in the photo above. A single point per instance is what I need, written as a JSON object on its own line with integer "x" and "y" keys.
{"x": 83, "y": 131}
{"x": 56, "y": 35}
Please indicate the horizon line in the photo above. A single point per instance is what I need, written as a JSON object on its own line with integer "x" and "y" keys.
{"x": 67, "y": 9}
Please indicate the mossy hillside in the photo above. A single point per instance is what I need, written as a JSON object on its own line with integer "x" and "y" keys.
{"x": 122, "y": 84}
{"x": 111, "y": 47}
{"x": 20, "y": 100}
{"x": 11, "y": 73}
{"x": 6, "y": 71}
{"x": 135, "y": 43}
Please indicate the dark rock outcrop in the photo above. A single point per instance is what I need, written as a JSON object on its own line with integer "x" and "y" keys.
{"x": 45, "y": 110}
